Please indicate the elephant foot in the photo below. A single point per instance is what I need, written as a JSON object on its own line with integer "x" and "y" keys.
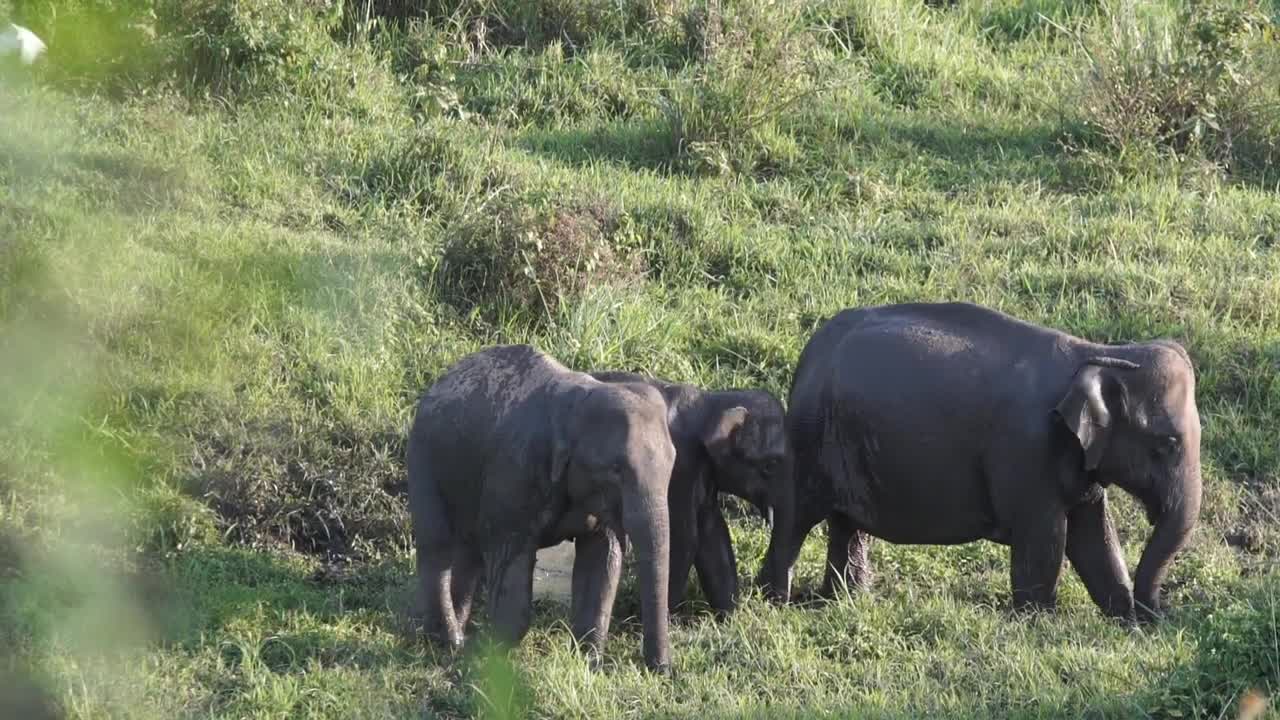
{"x": 661, "y": 669}
{"x": 833, "y": 589}
{"x": 1032, "y": 608}
{"x": 1145, "y": 615}
{"x": 594, "y": 658}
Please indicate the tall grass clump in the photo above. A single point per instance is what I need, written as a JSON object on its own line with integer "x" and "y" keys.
{"x": 918, "y": 57}
{"x": 1198, "y": 84}
{"x": 758, "y": 60}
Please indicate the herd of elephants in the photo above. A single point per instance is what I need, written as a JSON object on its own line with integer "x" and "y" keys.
{"x": 922, "y": 423}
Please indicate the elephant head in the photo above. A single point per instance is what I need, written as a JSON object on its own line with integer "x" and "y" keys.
{"x": 1138, "y": 428}
{"x": 615, "y": 445}
{"x": 748, "y": 448}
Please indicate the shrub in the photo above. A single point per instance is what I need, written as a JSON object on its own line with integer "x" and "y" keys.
{"x": 758, "y": 60}
{"x": 1196, "y": 86}
{"x": 528, "y": 257}
{"x": 221, "y": 43}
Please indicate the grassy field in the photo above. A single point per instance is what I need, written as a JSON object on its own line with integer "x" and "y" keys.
{"x": 237, "y": 239}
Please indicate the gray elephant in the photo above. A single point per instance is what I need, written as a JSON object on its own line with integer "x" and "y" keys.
{"x": 730, "y": 441}
{"x": 511, "y": 451}
{"x": 948, "y": 423}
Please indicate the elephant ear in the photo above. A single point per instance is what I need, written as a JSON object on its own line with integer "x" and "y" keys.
{"x": 721, "y": 435}
{"x": 1084, "y": 410}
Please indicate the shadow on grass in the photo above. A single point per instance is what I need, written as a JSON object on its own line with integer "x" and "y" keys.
{"x": 962, "y": 156}
{"x": 642, "y": 145}
{"x": 943, "y": 154}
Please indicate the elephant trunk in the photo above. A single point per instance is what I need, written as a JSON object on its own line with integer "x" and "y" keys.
{"x": 645, "y": 518}
{"x": 1175, "y": 517}
{"x": 774, "y": 578}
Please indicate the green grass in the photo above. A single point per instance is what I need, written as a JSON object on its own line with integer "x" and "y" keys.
{"x": 224, "y": 279}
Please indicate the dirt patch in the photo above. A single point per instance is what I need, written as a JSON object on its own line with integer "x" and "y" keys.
{"x": 1255, "y": 532}
{"x": 326, "y": 493}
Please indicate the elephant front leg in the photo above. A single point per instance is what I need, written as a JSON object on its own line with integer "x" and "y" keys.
{"x": 716, "y": 565}
{"x": 597, "y": 565}
{"x": 1094, "y": 551}
{"x": 1039, "y": 546}
{"x": 785, "y": 543}
{"x": 848, "y": 557}
{"x": 685, "y": 543}
{"x": 510, "y": 582}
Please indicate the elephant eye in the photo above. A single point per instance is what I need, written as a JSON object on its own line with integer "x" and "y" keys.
{"x": 769, "y": 466}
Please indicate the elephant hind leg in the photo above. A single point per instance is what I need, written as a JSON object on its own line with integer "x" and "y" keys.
{"x": 464, "y": 578}
{"x": 848, "y": 557}
{"x": 435, "y": 568}
{"x": 510, "y": 580}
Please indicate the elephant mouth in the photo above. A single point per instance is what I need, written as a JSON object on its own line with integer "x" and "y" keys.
{"x": 1151, "y": 503}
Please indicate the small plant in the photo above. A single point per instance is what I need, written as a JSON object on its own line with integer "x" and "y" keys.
{"x": 1196, "y": 86}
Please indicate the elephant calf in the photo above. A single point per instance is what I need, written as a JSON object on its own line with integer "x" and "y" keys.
{"x": 510, "y": 451}
{"x": 732, "y": 441}
{"x": 948, "y": 423}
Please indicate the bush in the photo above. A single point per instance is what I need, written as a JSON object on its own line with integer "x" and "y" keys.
{"x": 529, "y": 257}
{"x": 230, "y": 43}
{"x": 1197, "y": 86}
{"x": 758, "y": 60}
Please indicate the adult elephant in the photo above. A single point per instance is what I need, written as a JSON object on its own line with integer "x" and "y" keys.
{"x": 510, "y": 451}
{"x": 731, "y": 441}
{"x": 947, "y": 423}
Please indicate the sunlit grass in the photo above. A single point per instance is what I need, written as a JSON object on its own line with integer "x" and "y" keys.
{"x": 215, "y": 316}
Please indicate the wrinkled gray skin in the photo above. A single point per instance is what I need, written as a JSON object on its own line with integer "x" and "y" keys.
{"x": 511, "y": 451}
{"x": 948, "y": 423}
{"x": 730, "y": 441}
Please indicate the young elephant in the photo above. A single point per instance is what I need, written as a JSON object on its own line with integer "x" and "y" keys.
{"x": 948, "y": 423}
{"x": 511, "y": 451}
{"x": 726, "y": 441}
